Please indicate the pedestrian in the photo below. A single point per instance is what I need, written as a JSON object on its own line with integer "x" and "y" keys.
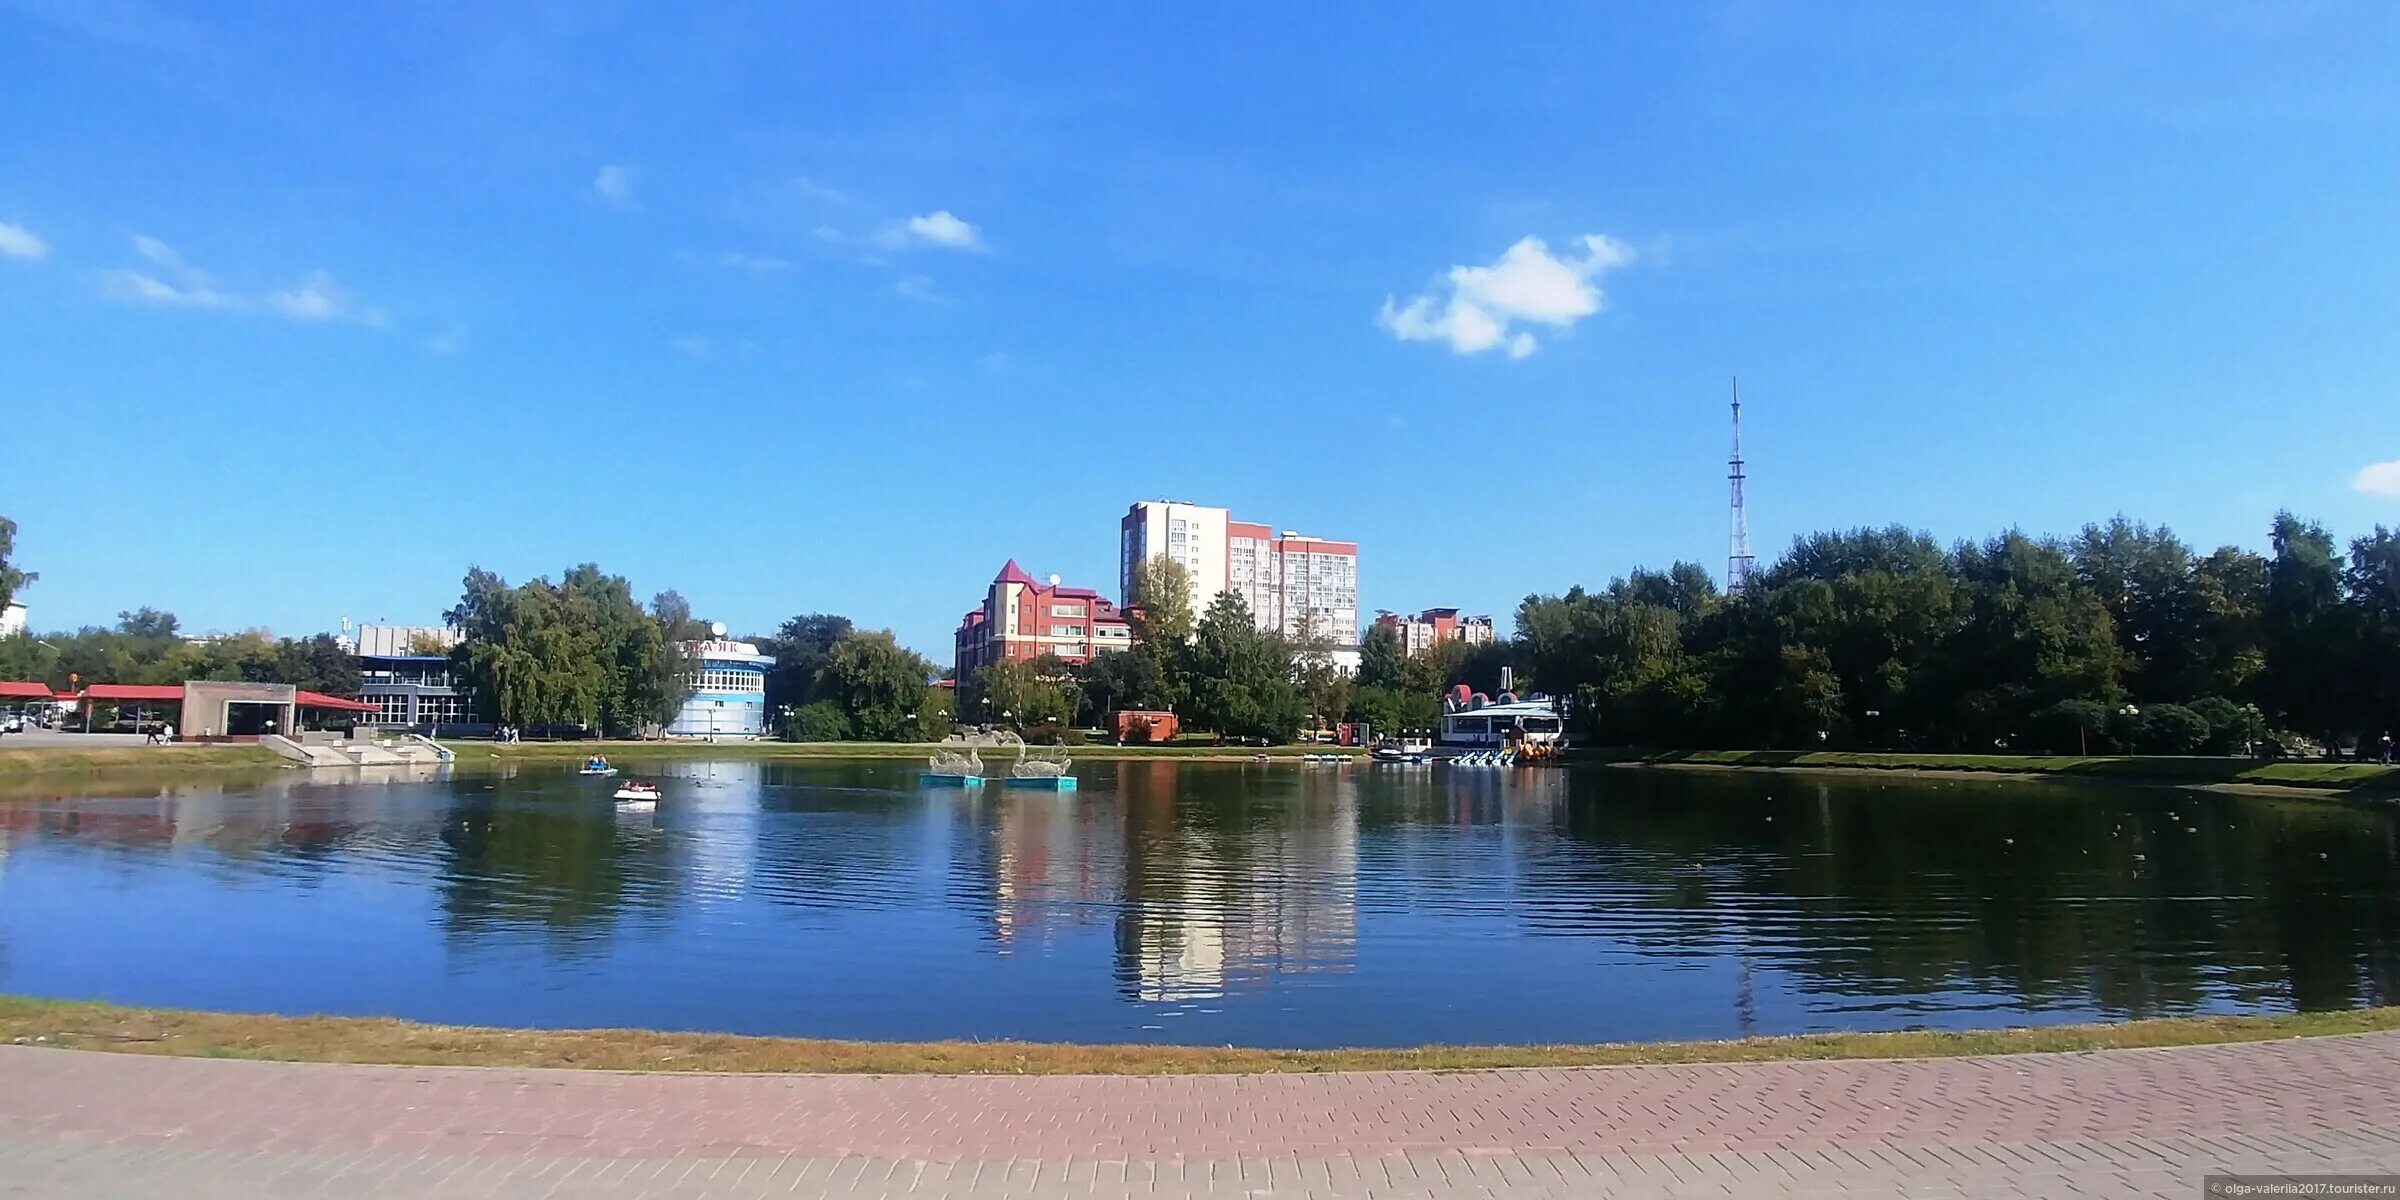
{"x": 167, "y": 733}
{"x": 2387, "y": 747}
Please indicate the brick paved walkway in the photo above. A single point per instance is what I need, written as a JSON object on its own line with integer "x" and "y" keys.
{"x": 2118, "y": 1123}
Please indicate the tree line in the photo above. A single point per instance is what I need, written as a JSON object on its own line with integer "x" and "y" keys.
{"x": 834, "y": 682}
{"x": 2122, "y": 639}
{"x": 147, "y": 646}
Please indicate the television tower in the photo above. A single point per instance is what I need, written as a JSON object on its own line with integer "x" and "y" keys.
{"x": 1739, "y": 563}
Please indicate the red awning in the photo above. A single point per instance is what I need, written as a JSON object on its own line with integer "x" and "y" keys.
{"x": 321, "y": 700}
{"x": 24, "y": 691}
{"x": 171, "y": 693}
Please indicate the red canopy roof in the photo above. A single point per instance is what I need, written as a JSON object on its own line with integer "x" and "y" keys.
{"x": 321, "y": 700}
{"x": 168, "y": 692}
{"x": 24, "y": 691}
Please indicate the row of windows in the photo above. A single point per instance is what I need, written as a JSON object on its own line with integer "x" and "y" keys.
{"x": 728, "y": 681}
{"x": 430, "y": 710}
{"x": 1066, "y": 610}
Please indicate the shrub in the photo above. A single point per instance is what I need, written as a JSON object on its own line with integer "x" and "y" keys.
{"x": 822, "y": 721}
{"x": 2173, "y": 729}
{"x": 2232, "y": 728}
{"x": 2072, "y": 727}
{"x": 1053, "y": 733}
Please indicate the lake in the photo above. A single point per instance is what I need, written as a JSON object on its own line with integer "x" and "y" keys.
{"x": 1251, "y": 904}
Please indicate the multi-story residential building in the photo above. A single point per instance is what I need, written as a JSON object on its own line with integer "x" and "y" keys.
{"x": 1434, "y": 626}
{"x": 12, "y": 619}
{"x": 1302, "y": 587}
{"x": 1023, "y": 618}
{"x": 1188, "y": 533}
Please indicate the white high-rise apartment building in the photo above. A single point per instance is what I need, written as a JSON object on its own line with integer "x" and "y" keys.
{"x": 1302, "y": 586}
{"x": 1188, "y": 533}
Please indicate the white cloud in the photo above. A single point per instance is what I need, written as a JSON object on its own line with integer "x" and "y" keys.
{"x": 158, "y": 252}
{"x": 16, "y": 241}
{"x": 918, "y": 288}
{"x": 829, "y": 235}
{"x": 319, "y": 298}
{"x": 170, "y": 282}
{"x": 938, "y": 228}
{"x": 692, "y": 344}
{"x": 752, "y": 262}
{"x": 450, "y": 340}
{"x": 1526, "y": 284}
{"x": 137, "y": 288}
{"x": 812, "y": 190}
{"x": 2379, "y": 479}
{"x": 613, "y": 186}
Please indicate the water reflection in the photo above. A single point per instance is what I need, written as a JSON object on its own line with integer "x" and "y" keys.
{"x": 1270, "y": 905}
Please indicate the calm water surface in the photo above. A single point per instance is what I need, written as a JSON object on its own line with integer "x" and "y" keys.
{"x": 1200, "y": 903}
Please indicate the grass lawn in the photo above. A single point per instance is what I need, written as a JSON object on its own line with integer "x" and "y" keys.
{"x": 90, "y": 1026}
{"x": 2342, "y": 777}
{"x": 32, "y": 760}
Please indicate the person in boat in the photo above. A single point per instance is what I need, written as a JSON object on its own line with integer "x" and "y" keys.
{"x": 596, "y": 763}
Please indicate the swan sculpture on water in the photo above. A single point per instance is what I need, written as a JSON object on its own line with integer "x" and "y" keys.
{"x": 1046, "y": 763}
{"x": 951, "y": 762}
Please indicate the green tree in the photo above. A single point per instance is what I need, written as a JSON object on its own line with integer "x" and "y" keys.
{"x": 1015, "y": 694}
{"x": 2371, "y": 587}
{"x": 2229, "y": 591}
{"x": 877, "y": 683}
{"x": 317, "y": 664}
{"x": 1124, "y": 679}
{"x": 2145, "y": 578}
{"x": 2305, "y": 631}
{"x": 1162, "y": 601}
{"x": 1241, "y": 677}
{"x": 937, "y": 715}
{"x": 1381, "y": 659}
{"x": 580, "y": 651}
{"x": 12, "y": 579}
{"x": 2032, "y": 635}
{"x": 821, "y": 721}
{"x": 1324, "y": 689}
{"x": 1390, "y": 712}
{"x": 799, "y": 648}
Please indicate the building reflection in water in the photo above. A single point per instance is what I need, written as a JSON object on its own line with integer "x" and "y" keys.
{"x": 712, "y": 810}
{"x": 1216, "y": 903}
{"x": 1202, "y": 902}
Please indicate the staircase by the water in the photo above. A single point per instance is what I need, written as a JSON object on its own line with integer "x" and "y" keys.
{"x": 344, "y": 752}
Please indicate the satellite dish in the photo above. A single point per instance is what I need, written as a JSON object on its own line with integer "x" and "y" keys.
{"x": 1054, "y": 579}
{"x": 716, "y": 628}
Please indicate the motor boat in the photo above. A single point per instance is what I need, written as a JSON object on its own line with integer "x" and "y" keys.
{"x": 1403, "y": 750}
{"x": 638, "y": 795}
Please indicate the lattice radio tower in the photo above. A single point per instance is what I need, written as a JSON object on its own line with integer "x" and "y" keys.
{"x": 1739, "y": 563}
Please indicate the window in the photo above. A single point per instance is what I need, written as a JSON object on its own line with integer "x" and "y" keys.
{"x": 1066, "y": 610}
{"x": 1073, "y": 631}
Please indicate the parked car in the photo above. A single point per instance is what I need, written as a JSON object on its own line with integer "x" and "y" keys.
{"x": 12, "y": 723}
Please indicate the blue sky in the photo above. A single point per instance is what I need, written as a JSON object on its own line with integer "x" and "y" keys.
{"x": 838, "y": 307}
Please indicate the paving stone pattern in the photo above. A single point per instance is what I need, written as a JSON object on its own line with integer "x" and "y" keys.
{"x": 2119, "y": 1123}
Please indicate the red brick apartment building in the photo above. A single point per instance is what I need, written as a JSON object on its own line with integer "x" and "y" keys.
{"x": 1023, "y": 618}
